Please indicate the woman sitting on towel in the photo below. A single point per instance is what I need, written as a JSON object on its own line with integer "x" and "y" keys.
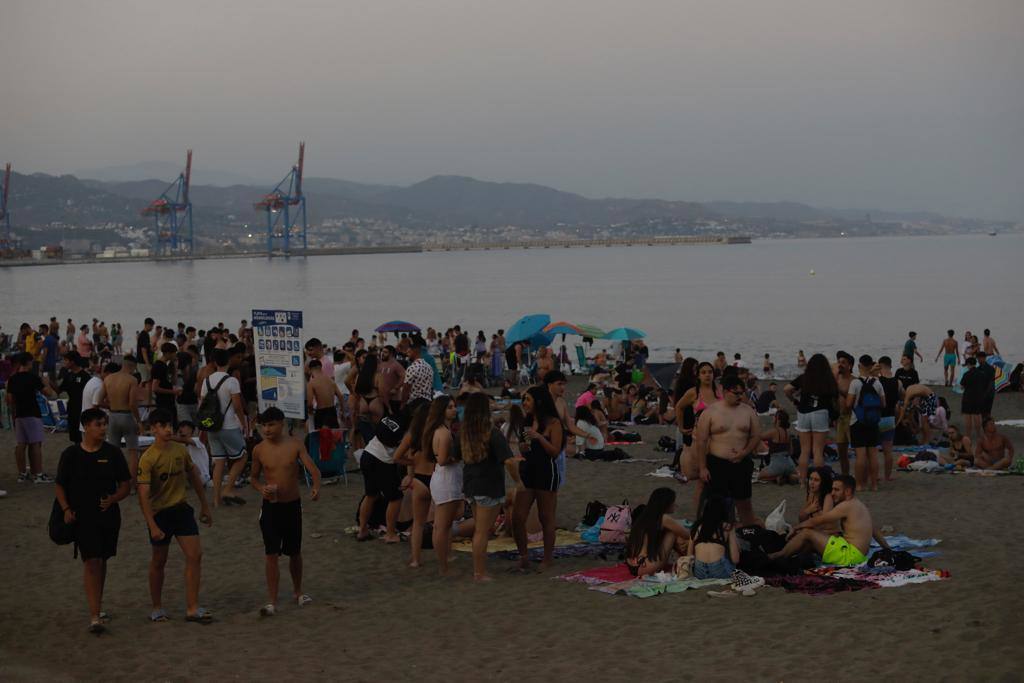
{"x": 643, "y": 412}
{"x": 600, "y": 417}
{"x": 655, "y": 534}
{"x": 819, "y": 493}
{"x": 961, "y": 451}
{"x": 714, "y": 545}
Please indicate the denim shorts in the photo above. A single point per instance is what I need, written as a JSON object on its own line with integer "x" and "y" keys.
{"x": 487, "y": 501}
{"x": 886, "y": 429}
{"x": 816, "y": 421}
{"x": 722, "y": 569}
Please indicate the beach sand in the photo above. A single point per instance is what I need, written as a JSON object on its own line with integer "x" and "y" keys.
{"x": 374, "y": 619}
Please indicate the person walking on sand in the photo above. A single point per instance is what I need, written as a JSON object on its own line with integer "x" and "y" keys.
{"x": 227, "y": 439}
{"x": 910, "y": 347}
{"x": 92, "y": 478}
{"x": 727, "y": 433}
{"x": 163, "y": 471}
{"x": 847, "y": 549}
{"x": 950, "y": 352}
{"x": 277, "y": 458}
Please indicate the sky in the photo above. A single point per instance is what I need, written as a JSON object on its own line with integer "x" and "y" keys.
{"x": 915, "y": 104}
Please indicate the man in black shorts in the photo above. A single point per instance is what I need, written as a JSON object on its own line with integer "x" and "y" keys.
{"x": 727, "y": 432}
{"x": 277, "y": 457}
{"x": 382, "y": 477}
{"x": 91, "y": 478}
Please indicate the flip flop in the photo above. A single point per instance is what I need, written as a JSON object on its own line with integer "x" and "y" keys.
{"x": 202, "y": 616}
{"x": 158, "y": 616}
{"x": 303, "y": 600}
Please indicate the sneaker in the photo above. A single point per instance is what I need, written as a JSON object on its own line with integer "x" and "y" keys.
{"x": 43, "y": 478}
{"x": 23, "y": 478}
{"x": 743, "y": 582}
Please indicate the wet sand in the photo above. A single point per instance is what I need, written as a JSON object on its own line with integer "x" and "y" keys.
{"x": 374, "y": 619}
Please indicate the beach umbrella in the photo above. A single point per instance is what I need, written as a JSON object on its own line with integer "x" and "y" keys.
{"x": 563, "y": 327}
{"x": 625, "y": 334}
{"x": 397, "y": 326}
{"x": 526, "y": 327}
{"x": 1003, "y": 370}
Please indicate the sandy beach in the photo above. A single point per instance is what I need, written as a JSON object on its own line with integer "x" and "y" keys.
{"x": 374, "y": 619}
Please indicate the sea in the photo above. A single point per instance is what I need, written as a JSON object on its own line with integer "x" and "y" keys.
{"x": 862, "y": 295}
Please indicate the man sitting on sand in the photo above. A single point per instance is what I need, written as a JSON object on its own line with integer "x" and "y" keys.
{"x": 993, "y": 450}
{"x": 277, "y": 458}
{"x": 846, "y": 550}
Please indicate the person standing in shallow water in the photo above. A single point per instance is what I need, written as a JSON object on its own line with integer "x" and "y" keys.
{"x": 949, "y": 349}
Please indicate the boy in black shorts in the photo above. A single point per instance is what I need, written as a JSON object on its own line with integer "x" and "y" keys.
{"x": 277, "y": 458}
{"x": 163, "y": 470}
{"x": 92, "y": 477}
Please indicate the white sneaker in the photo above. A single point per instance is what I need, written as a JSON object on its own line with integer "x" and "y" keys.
{"x": 43, "y": 478}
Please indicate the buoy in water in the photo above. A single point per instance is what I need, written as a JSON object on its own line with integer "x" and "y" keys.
{"x": 812, "y": 271}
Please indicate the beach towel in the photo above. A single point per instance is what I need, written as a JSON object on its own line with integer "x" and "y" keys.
{"x": 617, "y": 579}
{"x": 563, "y": 537}
{"x": 882, "y": 577}
{"x": 665, "y": 472}
{"x": 813, "y": 584}
{"x": 604, "y": 551}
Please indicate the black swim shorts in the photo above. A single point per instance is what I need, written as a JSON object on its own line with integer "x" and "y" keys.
{"x": 326, "y": 417}
{"x": 97, "y": 534}
{"x": 730, "y": 479}
{"x": 281, "y": 524}
{"x": 179, "y": 520}
{"x": 380, "y": 479}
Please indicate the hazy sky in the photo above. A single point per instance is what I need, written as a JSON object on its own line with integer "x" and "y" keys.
{"x": 871, "y": 103}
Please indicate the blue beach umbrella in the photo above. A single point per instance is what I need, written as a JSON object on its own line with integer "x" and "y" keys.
{"x": 526, "y": 327}
{"x": 625, "y": 334}
{"x": 397, "y": 326}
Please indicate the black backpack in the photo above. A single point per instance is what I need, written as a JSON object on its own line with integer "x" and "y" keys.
{"x": 595, "y": 510}
{"x": 60, "y": 531}
{"x": 210, "y": 417}
{"x": 899, "y": 559}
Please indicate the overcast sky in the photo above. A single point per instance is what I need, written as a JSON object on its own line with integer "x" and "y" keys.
{"x": 871, "y": 103}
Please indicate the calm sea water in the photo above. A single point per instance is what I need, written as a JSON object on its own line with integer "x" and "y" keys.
{"x": 753, "y": 299}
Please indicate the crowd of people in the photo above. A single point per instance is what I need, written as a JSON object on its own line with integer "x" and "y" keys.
{"x": 417, "y": 414}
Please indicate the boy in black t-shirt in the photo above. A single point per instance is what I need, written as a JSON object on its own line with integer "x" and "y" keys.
{"x": 92, "y": 477}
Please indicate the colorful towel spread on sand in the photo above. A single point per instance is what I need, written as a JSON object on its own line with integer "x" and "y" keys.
{"x": 617, "y": 579}
{"x": 604, "y": 551}
{"x": 563, "y": 537}
{"x": 883, "y": 577}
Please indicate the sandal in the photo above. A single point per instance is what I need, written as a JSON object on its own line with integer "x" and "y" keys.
{"x": 158, "y": 616}
{"x": 202, "y": 616}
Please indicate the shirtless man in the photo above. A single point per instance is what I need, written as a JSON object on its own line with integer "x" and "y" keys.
{"x": 390, "y": 378}
{"x": 277, "y": 459}
{"x": 720, "y": 362}
{"x": 555, "y": 382}
{"x": 988, "y": 344}
{"x": 993, "y": 451}
{"x": 846, "y": 550}
{"x": 545, "y": 363}
{"x": 844, "y": 376}
{"x": 119, "y": 393}
{"x": 727, "y": 432}
{"x": 950, "y": 352}
{"x": 320, "y": 394}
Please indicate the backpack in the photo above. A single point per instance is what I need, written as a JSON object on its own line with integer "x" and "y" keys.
{"x": 900, "y": 560}
{"x": 617, "y": 521}
{"x": 595, "y": 510}
{"x": 869, "y": 404}
{"x": 209, "y": 417}
{"x": 60, "y": 531}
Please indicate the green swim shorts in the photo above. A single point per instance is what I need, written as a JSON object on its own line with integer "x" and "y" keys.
{"x": 839, "y": 551}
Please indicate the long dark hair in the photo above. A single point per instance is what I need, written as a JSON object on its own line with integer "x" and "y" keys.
{"x": 818, "y": 378}
{"x": 435, "y": 420}
{"x": 685, "y": 379}
{"x": 583, "y": 413}
{"x": 648, "y": 525}
{"x": 827, "y": 475}
{"x": 715, "y": 513}
{"x": 367, "y": 374}
{"x": 516, "y": 421}
{"x": 544, "y": 409}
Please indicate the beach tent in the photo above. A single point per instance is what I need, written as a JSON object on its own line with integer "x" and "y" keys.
{"x": 397, "y": 326}
{"x": 663, "y": 374}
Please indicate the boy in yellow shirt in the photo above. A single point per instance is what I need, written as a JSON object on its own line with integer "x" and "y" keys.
{"x": 163, "y": 470}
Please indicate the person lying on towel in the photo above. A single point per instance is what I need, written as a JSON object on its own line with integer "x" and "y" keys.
{"x": 846, "y": 549}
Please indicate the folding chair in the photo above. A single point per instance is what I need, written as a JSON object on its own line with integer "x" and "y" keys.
{"x": 334, "y": 466}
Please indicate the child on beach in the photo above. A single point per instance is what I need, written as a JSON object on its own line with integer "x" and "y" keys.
{"x": 163, "y": 470}
{"x": 714, "y": 545}
{"x": 277, "y": 459}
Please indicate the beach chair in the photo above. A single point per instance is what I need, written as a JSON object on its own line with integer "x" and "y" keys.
{"x": 581, "y": 358}
{"x": 335, "y": 466}
{"x": 46, "y": 412}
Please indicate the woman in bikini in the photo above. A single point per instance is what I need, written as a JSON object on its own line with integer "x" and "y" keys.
{"x": 541, "y": 443}
{"x": 961, "y": 451}
{"x": 655, "y": 535}
{"x": 689, "y": 408}
{"x": 410, "y": 454}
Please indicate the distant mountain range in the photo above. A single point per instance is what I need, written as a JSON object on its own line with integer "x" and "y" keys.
{"x": 440, "y": 201}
